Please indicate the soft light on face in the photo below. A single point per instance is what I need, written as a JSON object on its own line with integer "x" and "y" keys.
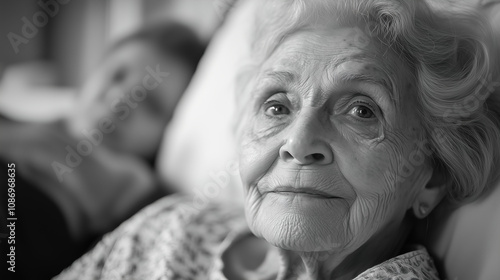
{"x": 332, "y": 113}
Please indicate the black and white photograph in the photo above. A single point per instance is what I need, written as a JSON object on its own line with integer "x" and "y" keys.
{"x": 250, "y": 139}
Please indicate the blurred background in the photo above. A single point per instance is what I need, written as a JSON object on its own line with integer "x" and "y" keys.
{"x": 71, "y": 42}
{"x": 61, "y": 63}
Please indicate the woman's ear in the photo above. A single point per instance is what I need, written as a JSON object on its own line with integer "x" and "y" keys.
{"x": 431, "y": 195}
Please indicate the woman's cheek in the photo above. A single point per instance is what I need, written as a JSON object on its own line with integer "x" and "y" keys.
{"x": 370, "y": 213}
{"x": 361, "y": 212}
{"x": 257, "y": 155}
{"x": 360, "y": 166}
{"x": 368, "y": 162}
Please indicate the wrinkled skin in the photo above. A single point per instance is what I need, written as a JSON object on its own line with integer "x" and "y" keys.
{"x": 332, "y": 112}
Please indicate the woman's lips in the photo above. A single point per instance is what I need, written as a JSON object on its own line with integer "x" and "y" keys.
{"x": 301, "y": 191}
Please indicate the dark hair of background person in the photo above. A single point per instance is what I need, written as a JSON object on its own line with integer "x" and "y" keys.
{"x": 170, "y": 38}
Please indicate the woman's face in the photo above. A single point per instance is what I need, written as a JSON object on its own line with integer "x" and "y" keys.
{"x": 138, "y": 103}
{"x": 333, "y": 115}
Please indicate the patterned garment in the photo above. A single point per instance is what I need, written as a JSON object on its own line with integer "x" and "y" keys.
{"x": 181, "y": 238}
{"x": 414, "y": 265}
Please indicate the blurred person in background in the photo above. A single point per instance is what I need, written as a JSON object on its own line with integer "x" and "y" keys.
{"x": 96, "y": 166}
{"x": 137, "y": 87}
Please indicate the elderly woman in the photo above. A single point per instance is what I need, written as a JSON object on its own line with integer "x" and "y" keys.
{"x": 357, "y": 119}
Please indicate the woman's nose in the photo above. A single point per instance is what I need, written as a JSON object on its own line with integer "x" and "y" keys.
{"x": 304, "y": 147}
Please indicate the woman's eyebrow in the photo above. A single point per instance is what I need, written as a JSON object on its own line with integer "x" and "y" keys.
{"x": 344, "y": 77}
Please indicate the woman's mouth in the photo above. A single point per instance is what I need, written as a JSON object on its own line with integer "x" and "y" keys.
{"x": 284, "y": 190}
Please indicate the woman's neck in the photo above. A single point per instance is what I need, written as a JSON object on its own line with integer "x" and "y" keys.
{"x": 304, "y": 265}
{"x": 341, "y": 264}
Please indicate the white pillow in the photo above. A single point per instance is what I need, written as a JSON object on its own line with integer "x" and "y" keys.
{"x": 198, "y": 155}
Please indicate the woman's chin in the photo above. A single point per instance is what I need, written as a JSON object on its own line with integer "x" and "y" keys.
{"x": 300, "y": 222}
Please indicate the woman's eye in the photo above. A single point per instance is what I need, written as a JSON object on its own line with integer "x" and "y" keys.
{"x": 362, "y": 111}
{"x": 119, "y": 75}
{"x": 277, "y": 109}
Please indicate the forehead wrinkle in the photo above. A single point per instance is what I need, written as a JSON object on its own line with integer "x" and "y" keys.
{"x": 282, "y": 76}
{"x": 298, "y": 64}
